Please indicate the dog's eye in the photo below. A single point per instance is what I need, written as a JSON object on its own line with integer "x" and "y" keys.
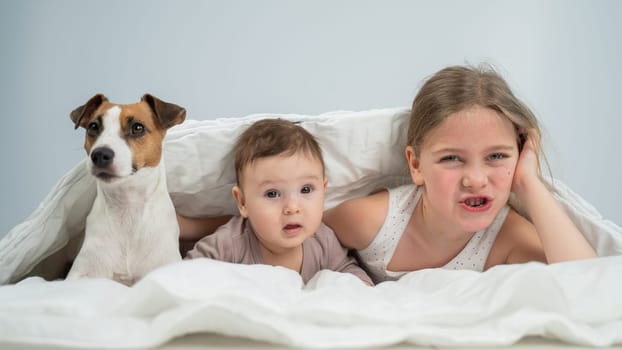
{"x": 93, "y": 129}
{"x": 138, "y": 129}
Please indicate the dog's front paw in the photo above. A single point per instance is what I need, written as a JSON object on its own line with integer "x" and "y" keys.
{"x": 128, "y": 280}
{"x": 74, "y": 275}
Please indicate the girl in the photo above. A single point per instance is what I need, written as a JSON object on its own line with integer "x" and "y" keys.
{"x": 471, "y": 143}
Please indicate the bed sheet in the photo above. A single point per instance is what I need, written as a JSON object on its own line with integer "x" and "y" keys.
{"x": 576, "y": 302}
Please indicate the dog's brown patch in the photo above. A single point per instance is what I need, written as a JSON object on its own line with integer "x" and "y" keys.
{"x": 155, "y": 115}
{"x": 146, "y": 147}
{"x": 96, "y": 117}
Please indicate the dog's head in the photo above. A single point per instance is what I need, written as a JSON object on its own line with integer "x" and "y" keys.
{"x": 122, "y": 139}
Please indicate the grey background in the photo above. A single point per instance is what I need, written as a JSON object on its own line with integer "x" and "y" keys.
{"x": 231, "y": 58}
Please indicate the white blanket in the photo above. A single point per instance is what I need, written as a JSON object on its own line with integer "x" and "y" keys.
{"x": 576, "y": 302}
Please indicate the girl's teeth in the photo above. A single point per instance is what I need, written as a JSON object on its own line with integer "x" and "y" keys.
{"x": 475, "y": 202}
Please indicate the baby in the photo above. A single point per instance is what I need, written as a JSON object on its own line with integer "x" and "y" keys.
{"x": 280, "y": 195}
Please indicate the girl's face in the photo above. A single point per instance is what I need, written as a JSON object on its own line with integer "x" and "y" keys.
{"x": 466, "y": 165}
{"x": 283, "y": 198}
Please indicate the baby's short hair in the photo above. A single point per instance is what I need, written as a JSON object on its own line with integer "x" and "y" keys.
{"x": 273, "y": 137}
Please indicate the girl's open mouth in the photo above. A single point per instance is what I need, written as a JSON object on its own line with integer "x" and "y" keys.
{"x": 477, "y": 203}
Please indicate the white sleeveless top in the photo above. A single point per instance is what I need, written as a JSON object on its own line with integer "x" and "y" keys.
{"x": 402, "y": 203}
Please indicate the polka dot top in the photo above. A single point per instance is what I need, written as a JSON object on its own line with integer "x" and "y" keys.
{"x": 402, "y": 203}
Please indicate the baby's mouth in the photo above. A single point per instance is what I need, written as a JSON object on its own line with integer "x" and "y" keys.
{"x": 292, "y": 230}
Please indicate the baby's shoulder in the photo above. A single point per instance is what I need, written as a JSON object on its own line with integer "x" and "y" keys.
{"x": 323, "y": 239}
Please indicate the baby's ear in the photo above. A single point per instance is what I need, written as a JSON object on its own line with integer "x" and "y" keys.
{"x": 414, "y": 166}
{"x": 238, "y": 195}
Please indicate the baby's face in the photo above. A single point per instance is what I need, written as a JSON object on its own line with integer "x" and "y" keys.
{"x": 283, "y": 199}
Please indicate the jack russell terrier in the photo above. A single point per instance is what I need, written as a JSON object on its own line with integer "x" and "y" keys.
{"x": 132, "y": 227}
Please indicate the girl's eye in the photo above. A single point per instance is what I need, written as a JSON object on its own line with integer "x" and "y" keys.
{"x": 496, "y": 156}
{"x": 306, "y": 189}
{"x": 451, "y": 158}
{"x": 272, "y": 194}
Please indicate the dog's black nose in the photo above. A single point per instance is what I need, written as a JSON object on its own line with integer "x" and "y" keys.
{"x": 102, "y": 157}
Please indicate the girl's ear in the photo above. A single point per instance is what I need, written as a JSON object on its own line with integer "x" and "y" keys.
{"x": 325, "y": 183}
{"x": 414, "y": 166}
{"x": 238, "y": 195}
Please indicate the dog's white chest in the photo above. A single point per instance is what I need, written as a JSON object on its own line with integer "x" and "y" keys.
{"x": 131, "y": 230}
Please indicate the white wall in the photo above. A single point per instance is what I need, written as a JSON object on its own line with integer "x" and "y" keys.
{"x": 233, "y": 57}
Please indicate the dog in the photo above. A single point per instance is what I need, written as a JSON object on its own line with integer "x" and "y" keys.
{"x": 132, "y": 227}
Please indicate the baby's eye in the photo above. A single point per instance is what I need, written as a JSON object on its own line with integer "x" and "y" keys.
{"x": 306, "y": 189}
{"x": 451, "y": 158}
{"x": 272, "y": 194}
{"x": 496, "y": 156}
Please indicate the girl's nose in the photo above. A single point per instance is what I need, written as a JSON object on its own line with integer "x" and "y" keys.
{"x": 474, "y": 177}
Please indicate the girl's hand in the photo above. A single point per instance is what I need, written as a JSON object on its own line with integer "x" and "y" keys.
{"x": 527, "y": 168}
{"x": 561, "y": 240}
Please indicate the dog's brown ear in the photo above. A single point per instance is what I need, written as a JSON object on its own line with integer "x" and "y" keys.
{"x": 168, "y": 114}
{"x": 87, "y": 109}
